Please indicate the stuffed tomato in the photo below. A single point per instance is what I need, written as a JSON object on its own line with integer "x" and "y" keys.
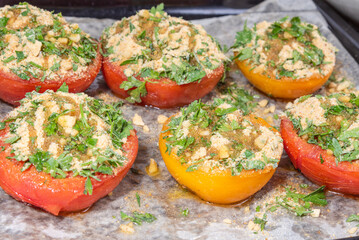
{"x": 154, "y": 59}
{"x": 219, "y": 152}
{"x": 62, "y": 152}
{"x": 320, "y": 135}
{"x": 286, "y": 58}
{"x": 39, "y": 50}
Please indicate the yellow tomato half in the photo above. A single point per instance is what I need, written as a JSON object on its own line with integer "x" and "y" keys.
{"x": 215, "y": 185}
{"x": 285, "y": 87}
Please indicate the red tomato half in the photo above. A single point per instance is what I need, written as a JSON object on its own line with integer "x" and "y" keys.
{"x": 59, "y": 195}
{"x": 342, "y": 177}
{"x": 13, "y": 88}
{"x": 162, "y": 93}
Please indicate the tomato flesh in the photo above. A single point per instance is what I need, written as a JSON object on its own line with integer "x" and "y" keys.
{"x": 14, "y": 88}
{"x": 162, "y": 93}
{"x": 317, "y": 165}
{"x": 59, "y": 195}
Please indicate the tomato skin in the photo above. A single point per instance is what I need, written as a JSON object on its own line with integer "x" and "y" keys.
{"x": 14, "y": 88}
{"x": 285, "y": 87}
{"x": 59, "y": 195}
{"x": 217, "y": 186}
{"x": 162, "y": 93}
{"x": 343, "y": 177}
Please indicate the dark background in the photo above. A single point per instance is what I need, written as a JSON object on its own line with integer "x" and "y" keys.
{"x": 116, "y": 9}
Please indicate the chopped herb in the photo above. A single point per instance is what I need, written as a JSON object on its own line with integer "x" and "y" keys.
{"x": 300, "y": 204}
{"x": 261, "y": 221}
{"x": 88, "y": 187}
{"x": 55, "y": 67}
{"x": 138, "y": 218}
{"x": 36, "y": 65}
{"x": 159, "y": 8}
{"x": 192, "y": 168}
{"x": 353, "y": 218}
{"x": 185, "y": 212}
{"x": 64, "y": 88}
{"x": 132, "y": 27}
{"x": 110, "y": 113}
{"x": 2, "y": 125}
{"x": 138, "y": 198}
{"x": 138, "y": 91}
{"x": 12, "y": 140}
{"x": 244, "y": 37}
{"x": 19, "y": 55}
{"x": 3, "y": 22}
{"x": 9, "y": 59}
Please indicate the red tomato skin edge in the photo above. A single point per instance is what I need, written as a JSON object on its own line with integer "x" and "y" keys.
{"x": 343, "y": 178}
{"x": 13, "y": 88}
{"x": 162, "y": 93}
{"x": 59, "y": 195}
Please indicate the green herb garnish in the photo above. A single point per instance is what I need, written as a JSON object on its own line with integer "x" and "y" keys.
{"x": 138, "y": 218}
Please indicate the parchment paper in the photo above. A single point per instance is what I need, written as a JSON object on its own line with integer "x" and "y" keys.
{"x": 162, "y": 196}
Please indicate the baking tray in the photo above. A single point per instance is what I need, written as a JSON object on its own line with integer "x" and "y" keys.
{"x": 162, "y": 196}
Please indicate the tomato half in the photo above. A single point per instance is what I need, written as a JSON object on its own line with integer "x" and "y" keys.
{"x": 285, "y": 87}
{"x": 317, "y": 165}
{"x": 216, "y": 186}
{"x": 59, "y": 195}
{"x": 13, "y": 88}
{"x": 162, "y": 93}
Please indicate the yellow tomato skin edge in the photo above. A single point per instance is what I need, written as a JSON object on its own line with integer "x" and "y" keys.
{"x": 285, "y": 87}
{"x": 216, "y": 186}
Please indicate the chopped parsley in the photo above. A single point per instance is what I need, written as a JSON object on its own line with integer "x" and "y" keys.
{"x": 301, "y": 204}
{"x": 138, "y": 89}
{"x": 353, "y": 218}
{"x": 138, "y": 198}
{"x": 185, "y": 212}
{"x": 138, "y": 218}
{"x": 261, "y": 221}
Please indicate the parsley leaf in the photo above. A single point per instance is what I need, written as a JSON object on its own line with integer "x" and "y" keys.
{"x": 243, "y": 37}
{"x": 138, "y": 91}
{"x": 300, "y": 203}
{"x": 20, "y": 55}
{"x": 88, "y": 187}
{"x": 138, "y": 198}
{"x": 317, "y": 197}
{"x": 159, "y": 8}
{"x": 244, "y": 54}
{"x": 110, "y": 113}
{"x": 9, "y": 59}
{"x": 138, "y": 218}
{"x": 64, "y": 88}
{"x": 3, "y": 22}
{"x": 55, "y": 67}
{"x": 353, "y": 218}
{"x": 185, "y": 212}
{"x": 2, "y": 125}
{"x": 261, "y": 221}
{"x": 12, "y": 140}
